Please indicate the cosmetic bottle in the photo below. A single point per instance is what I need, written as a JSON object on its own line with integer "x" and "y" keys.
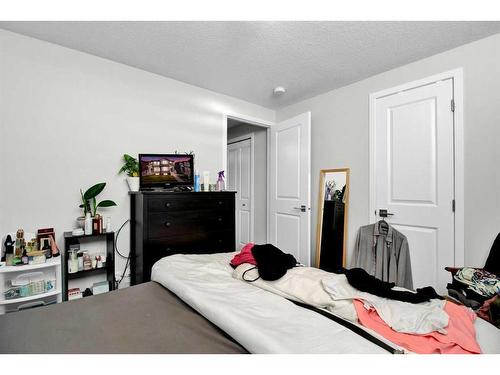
{"x": 47, "y": 249}
{"x": 79, "y": 261}
{"x": 24, "y": 258}
{"x": 197, "y": 181}
{"x": 206, "y": 181}
{"x": 221, "y": 185}
{"x": 108, "y": 224}
{"x": 88, "y": 224}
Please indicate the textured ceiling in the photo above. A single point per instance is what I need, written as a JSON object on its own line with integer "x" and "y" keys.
{"x": 248, "y": 59}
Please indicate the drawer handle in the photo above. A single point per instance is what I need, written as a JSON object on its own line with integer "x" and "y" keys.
{"x": 220, "y": 219}
{"x": 220, "y": 203}
{"x": 167, "y": 224}
{"x": 167, "y": 204}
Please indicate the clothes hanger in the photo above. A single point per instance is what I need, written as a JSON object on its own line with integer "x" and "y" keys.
{"x": 383, "y": 226}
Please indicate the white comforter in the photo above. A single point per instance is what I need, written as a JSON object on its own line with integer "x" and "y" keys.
{"x": 260, "y": 321}
{"x": 264, "y": 322}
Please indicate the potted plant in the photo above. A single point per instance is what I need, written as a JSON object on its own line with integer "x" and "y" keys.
{"x": 90, "y": 204}
{"x": 131, "y": 168}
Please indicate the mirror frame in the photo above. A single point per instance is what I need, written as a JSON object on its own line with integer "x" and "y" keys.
{"x": 319, "y": 223}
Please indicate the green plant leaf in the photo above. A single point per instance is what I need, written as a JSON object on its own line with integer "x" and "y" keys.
{"x": 131, "y": 165}
{"x": 106, "y": 203}
{"x": 93, "y": 191}
{"x": 128, "y": 158}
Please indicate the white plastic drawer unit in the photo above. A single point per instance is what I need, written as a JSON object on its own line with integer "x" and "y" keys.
{"x": 28, "y": 286}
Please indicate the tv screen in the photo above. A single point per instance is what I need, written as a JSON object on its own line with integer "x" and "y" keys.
{"x": 165, "y": 170}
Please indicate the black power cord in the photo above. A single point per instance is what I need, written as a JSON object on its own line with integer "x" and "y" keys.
{"x": 121, "y": 255}
{"x": 116, "y": 239}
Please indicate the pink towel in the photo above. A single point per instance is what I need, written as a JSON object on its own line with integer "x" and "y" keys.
{"x": 460, "y": 339}
{"x": 244, "y": 256}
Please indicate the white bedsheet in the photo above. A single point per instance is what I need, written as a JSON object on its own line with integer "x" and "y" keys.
{"x": 264, "y": 322}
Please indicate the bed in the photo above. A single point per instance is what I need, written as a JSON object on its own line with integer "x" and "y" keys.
{"x": 145, "y": 318}
{"x": 193, "y": 305}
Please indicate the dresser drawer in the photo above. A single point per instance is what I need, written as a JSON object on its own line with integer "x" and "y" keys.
{"x": 197, "y": 243}
{"x": 168, "y": 204}
{"x": 167, "y": 224}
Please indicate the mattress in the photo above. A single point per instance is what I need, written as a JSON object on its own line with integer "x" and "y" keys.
{"x": 145, "y": 318}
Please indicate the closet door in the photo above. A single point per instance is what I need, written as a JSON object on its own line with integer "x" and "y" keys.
{"x": 240, "y": 180}
{"x": 413, "y": 141}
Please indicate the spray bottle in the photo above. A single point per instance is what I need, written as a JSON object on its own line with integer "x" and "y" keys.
{"x": 221, "y": 185}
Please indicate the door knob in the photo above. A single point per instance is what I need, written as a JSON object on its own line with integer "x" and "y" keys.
{"x": 302, "y": 208}
{"x": 384, "y": 213}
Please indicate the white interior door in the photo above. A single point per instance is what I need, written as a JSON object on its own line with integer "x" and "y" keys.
{"x": 414, "y": 175}
{"x": 290, "y": 185}
{"x": 240, "y": 180}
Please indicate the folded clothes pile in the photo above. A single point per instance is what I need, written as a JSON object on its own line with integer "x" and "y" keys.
{"x": 477, "y": 289}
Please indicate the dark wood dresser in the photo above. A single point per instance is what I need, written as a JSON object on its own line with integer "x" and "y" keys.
{"x": 167, "y": 223}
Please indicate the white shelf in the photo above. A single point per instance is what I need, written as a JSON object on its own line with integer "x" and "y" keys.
{"x": 28, "y": 267}
{"x": 30, "y": 298}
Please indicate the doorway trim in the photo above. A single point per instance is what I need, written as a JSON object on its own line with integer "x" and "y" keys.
{"x": 256, "y": 122}
{"x": 458, "y": 144}
{"x": 251, "y": 137}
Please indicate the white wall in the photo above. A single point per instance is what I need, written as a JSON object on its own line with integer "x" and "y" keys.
{"x": 67, "y": 117}
{"x": 260, "y": 176}
{"x": 340, "y": 138}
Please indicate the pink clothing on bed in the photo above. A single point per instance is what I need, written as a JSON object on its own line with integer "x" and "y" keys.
{"x": 460, "y": 339}
{"x": 244, "y": 256}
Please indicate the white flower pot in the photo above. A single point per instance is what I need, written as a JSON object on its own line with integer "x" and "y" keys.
{"x": 80, "y": 220}
{"x": 133, "y": 183}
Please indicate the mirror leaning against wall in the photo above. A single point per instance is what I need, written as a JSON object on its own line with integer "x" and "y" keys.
{"x": 333, "y": 203}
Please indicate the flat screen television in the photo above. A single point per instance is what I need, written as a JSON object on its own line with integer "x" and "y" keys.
{"x": 165, "y": 171}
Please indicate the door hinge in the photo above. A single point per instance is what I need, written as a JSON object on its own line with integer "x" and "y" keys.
{"x": 452, "y": 104}
{"x": 453, "y": 205}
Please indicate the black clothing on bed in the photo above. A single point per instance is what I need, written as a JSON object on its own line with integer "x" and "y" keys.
{"x": 361, "y": 280}
{"x": 272, "y": 263}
